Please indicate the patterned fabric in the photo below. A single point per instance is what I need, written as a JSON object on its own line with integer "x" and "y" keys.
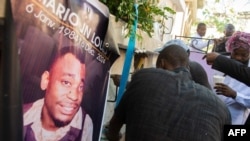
{"x": 238, "y": 39}
{"x": 160, "y": 105}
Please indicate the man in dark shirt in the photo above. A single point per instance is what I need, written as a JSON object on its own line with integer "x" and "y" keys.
{"x": 164, "y": 104}
{"x": 221, "y": 43}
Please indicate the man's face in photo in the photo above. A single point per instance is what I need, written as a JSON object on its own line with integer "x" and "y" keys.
{"x": 64, "y": 89}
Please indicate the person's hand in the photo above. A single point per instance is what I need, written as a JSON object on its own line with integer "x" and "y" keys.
{"x": 210, "y": 57}
{"x": 223, "y": 89}
{"x": 111, "y": 136}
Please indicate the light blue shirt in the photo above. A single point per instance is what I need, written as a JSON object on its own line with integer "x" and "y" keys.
{"x": 238, "y": 107}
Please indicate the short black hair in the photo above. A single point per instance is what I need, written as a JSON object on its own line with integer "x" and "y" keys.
{"x": 229, "y": 27}
{"x": 200, "y": 24}
{"x": 78, "y": 52}
{"x": 174, "y": 55}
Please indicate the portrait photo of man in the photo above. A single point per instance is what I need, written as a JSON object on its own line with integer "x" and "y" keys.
{"x": 59, "y": 116}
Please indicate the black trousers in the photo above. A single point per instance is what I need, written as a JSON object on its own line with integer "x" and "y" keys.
{"x": 248, "y": 120}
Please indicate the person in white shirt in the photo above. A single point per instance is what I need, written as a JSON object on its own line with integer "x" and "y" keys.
{"x": 235, "y": 94}
{"x": 197, "y": 43}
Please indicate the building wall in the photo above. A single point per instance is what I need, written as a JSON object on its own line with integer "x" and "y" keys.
{"x": 2, "y": 8}
{"x": 175, "y": 26}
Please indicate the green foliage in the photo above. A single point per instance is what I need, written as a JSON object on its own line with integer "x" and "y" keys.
{"x": 217, "y": 14}
{"x": 148, "y": 13}
{"x": 219, "y": 20}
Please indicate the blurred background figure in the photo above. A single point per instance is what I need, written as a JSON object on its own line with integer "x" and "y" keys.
{"x": 220, "y": 44}
{"x": 197, "y": 43}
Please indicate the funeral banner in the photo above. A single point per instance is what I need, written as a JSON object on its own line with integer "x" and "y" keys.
{"x": 64, "y": 64}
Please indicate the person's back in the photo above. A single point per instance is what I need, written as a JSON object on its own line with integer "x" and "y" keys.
{"x": 199, "y": 74}
{"x": 174, "y": 108}
{"x": 166, "y": 105}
